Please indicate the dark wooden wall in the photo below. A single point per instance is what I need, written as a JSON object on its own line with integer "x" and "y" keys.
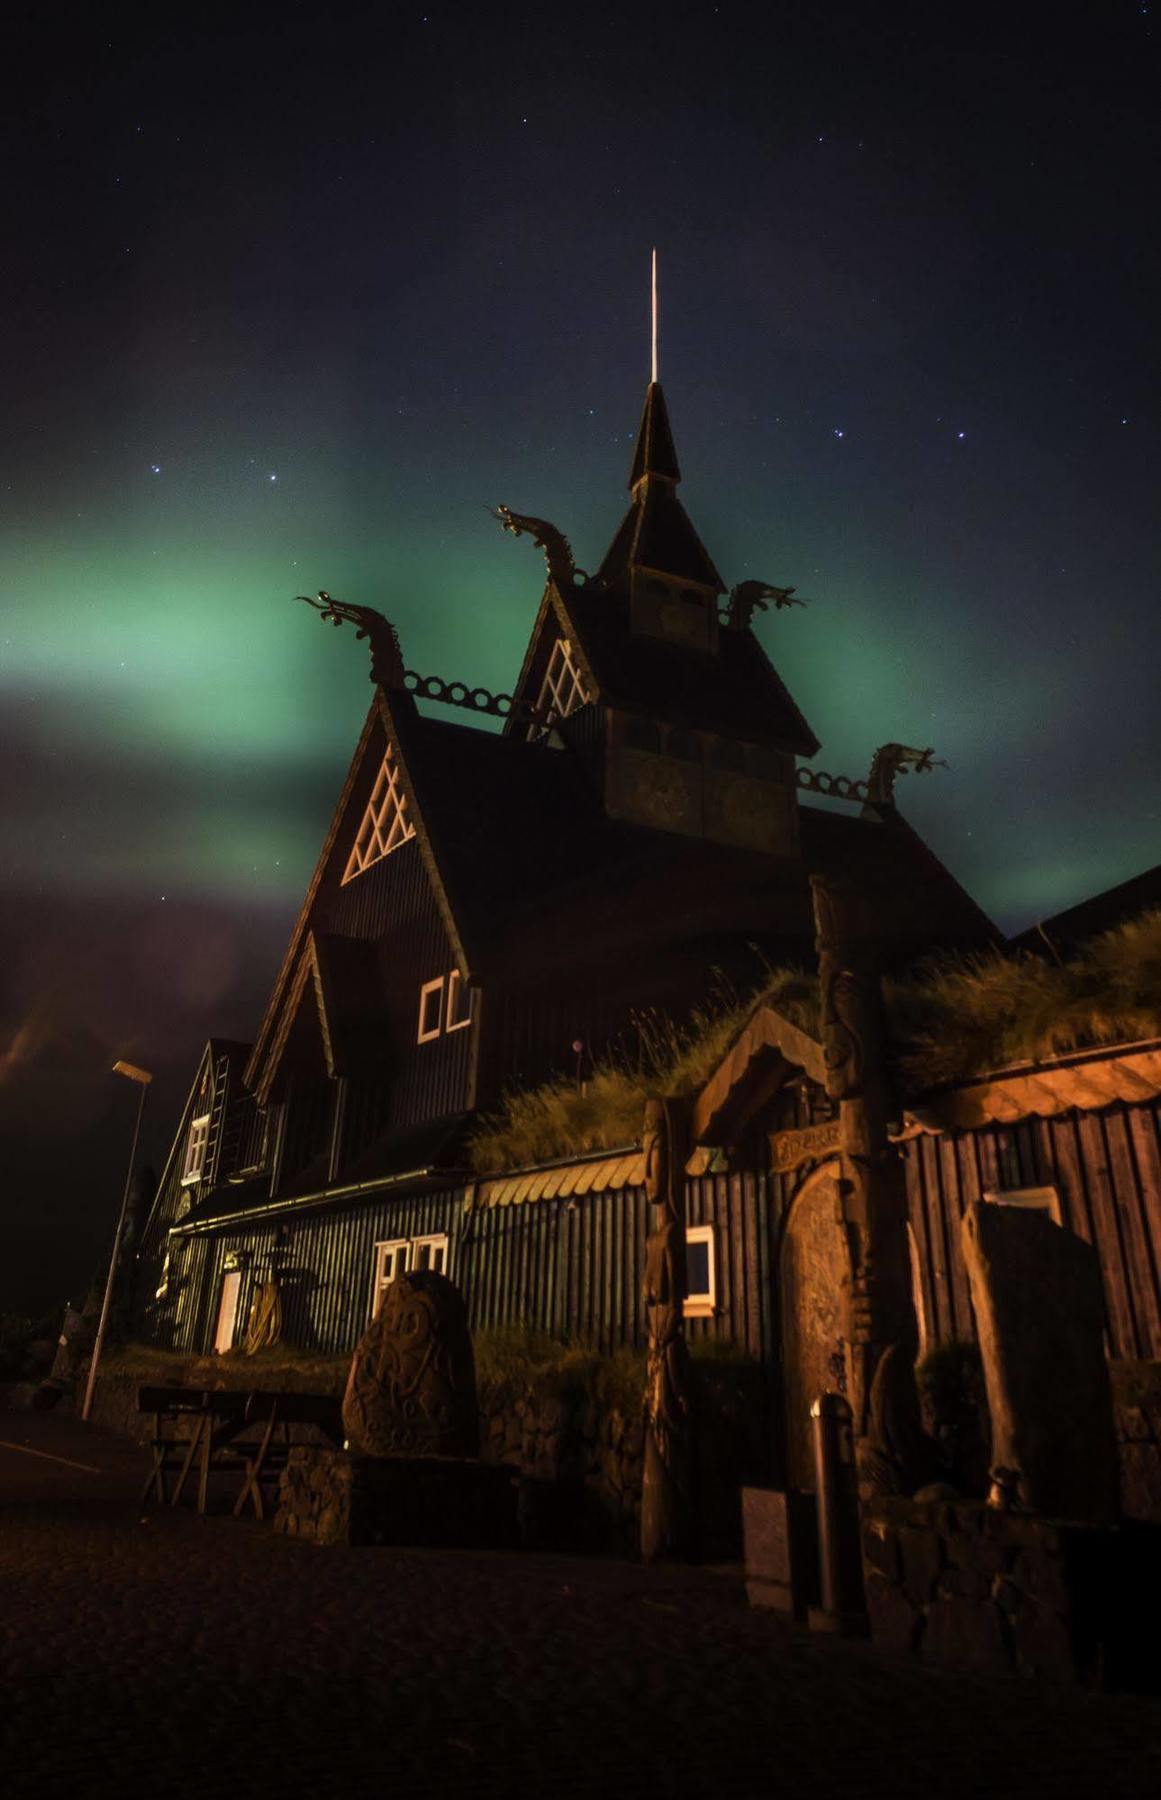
{"x": 1106, "y": 1167}
{"x": 393, "y": 904}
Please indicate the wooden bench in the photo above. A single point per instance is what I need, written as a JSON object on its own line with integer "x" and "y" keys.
{"x": 213, "y": 1441}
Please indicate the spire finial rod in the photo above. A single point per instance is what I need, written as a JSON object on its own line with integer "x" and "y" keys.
{"x": 653, "y": 363}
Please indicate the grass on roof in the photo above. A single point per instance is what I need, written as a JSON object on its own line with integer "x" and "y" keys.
{"x": 951, "y": 1017}
{"x": 661, "y": 1057}
{"x": 955, "y": 1017}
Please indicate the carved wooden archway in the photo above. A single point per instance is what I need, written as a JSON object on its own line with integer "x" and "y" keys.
{"x": 814, "y": 1273}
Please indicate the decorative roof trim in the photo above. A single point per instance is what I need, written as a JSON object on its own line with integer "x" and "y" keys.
{"x": 1086, "y": 1080}
{"x": 394, "y": 722}
{"x": 766, "y": 1031}
{"x": 269, "y": 1017}
{"x": 600, "y": 1172}
{"x": 310, "y": 967}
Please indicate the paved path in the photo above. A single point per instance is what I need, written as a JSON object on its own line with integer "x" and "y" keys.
{"x": 165, "y": 1655}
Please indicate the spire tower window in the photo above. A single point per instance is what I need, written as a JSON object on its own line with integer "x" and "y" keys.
{"x": 385, "y": 823}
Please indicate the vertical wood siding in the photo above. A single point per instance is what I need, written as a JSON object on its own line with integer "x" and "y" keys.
{"x": 1106, "y": 1167}
{"x": 573, "y": 1267}
{"x": 393, "y": 904}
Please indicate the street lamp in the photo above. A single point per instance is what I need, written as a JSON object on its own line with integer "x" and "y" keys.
{"x": 143, "y": 1078}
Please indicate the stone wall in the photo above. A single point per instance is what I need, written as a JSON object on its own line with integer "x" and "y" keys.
{"x": 329, "y": 1496}
{"x": 1137, "y": 1398}
{"x": 581, "y": 1458}
{"x": 962, "y": 1586}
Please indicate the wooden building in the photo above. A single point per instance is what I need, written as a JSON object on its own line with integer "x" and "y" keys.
{"x": 491, "y": 906}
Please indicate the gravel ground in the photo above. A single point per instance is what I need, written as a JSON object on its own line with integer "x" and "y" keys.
{"x": 157, "y": 1653}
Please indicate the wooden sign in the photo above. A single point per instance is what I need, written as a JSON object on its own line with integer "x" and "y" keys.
{"x": 790, "y": 1149}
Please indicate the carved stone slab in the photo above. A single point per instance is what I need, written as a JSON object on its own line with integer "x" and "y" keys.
{"x": 412, "y": 1386}
{"x": 1039, "y": 1307}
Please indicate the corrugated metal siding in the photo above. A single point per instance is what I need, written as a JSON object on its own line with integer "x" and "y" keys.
{"x": 324, "y": 1263}
{"x": 573, "y": 1265}
{"x": 1106, "y": 1167}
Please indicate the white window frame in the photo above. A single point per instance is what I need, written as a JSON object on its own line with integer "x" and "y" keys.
{"x": 435, "y": 986}
{"x": 379, "y": 1282}
{"x": 456, "y": 985}
{"x": 385, "y": 825}
{"x": 229, "y": 1305}
{"x": 437, "y": 1241}
{"x": 195, "y": 1150}
{"x": 563, "y": 690}
{"x": 1029, "y": 1199}
{"x": 704, "y": 1304}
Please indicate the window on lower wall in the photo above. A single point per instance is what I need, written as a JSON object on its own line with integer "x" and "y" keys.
{"x": 430, "y": 1253}
{"x": 700, "y": 1272}
{"x": 395, "y": 1256}
{"x": 390, "y": 1261}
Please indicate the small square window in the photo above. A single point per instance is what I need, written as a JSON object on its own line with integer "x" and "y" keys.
{"x": 430, "y": 1253}
{"x": 430, "y": 1010}
{"x": 459, "y": 1002}
{"x": 700, "y": 1272}
{"x": 195, "y": 1150}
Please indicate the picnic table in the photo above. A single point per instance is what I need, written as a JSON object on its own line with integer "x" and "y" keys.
{"x": 228, "y": 1431}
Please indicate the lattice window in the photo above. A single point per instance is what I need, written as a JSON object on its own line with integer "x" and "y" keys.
{"x": 385, "y": 823}
{"x": 563, "y": 688}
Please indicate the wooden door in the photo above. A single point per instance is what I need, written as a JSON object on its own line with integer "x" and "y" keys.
{"x": 814, "y": 1278}
{"x": 228, "y": 1311}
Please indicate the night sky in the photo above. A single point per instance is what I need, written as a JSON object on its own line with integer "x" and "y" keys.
{"x": 290, "y": 297}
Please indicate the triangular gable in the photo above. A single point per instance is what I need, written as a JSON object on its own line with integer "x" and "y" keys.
{"x": 390, "y": 722}
{"x": 385, "y": 825}
{"x": 553, "y": 621}
{"x": 199, "y": 1099}
{"x": 767, "y": 1049}
{"x": 307, "y": 986}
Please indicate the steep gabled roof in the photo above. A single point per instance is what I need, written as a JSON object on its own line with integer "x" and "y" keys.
{"x": 656, "y": 532}
{"x": 737, "y": 691}
{"x": 1098, "y": 913}
{"x": 920, "y": 903}
{"x": 217, "y": 1050}
{"x": 336, "y": 980}
{"x": 393, "y": 719}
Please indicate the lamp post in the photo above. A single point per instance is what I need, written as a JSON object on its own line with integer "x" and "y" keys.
{"x": 143, "y": 1078}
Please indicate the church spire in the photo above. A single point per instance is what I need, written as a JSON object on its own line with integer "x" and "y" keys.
{"x": 654, "y": 453}
{"x": 656, "y": 542}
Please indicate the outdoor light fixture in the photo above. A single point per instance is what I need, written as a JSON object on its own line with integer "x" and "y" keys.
{"x": 142, "y": 1077}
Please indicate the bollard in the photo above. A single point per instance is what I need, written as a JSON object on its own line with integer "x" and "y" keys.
{"x": 836, "y": 1478}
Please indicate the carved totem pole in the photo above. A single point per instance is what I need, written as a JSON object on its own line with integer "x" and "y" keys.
{"x": 873, "y": 1194}
{"x": 667, "y": 1504}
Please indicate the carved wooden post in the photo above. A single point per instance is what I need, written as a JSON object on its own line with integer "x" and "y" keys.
{"x": 873, "y": 1191}
{"x": 667, "y": 1508}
